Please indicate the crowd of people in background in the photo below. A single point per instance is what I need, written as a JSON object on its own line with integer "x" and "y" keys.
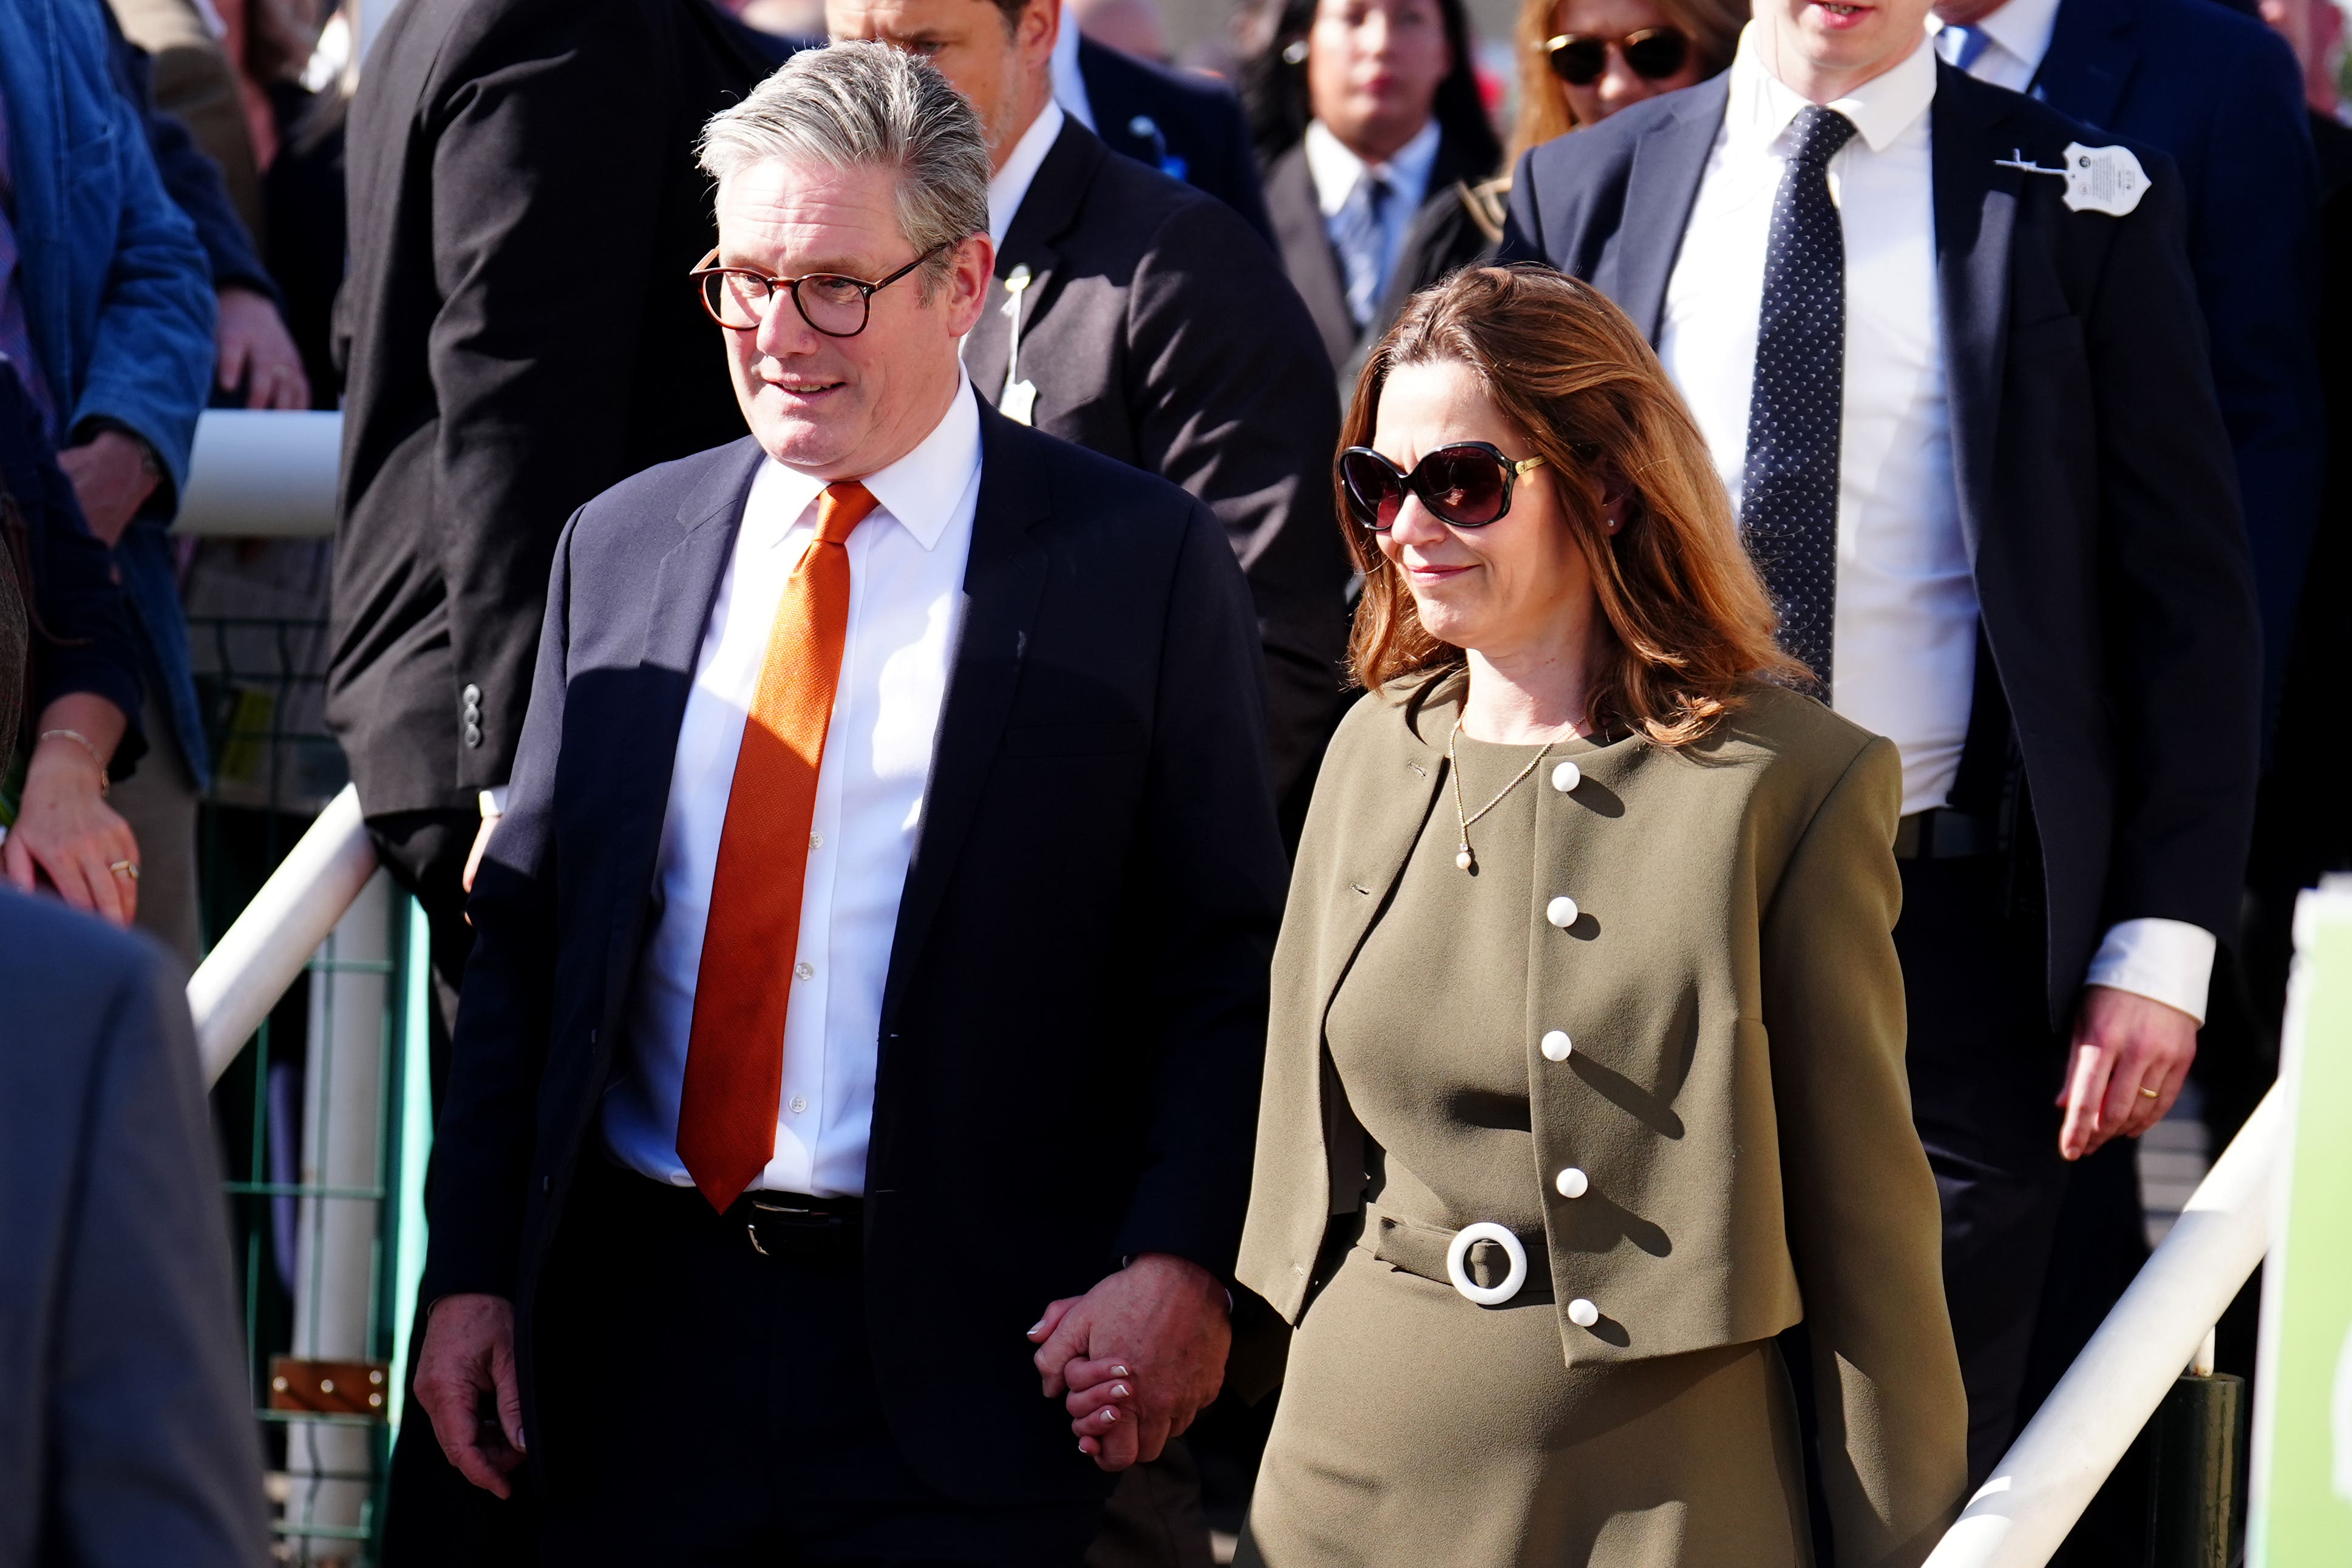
{"x": 2068, "y": 526}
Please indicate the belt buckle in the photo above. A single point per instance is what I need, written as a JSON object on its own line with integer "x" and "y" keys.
{"x": 1457, "y": 1255}
{"x": 793, "y": 1214}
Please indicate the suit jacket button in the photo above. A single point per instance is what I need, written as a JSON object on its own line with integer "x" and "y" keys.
{"x": 1561, "y": 911}
{"x": 473, "y": 735}
{"x": 1567, "y": 777}
{"x": 1583, "y": 1313}
{"x": 1571, "y": 1182}
{"x": 471, "y": 695}
{"x": 1556, "y": 1046}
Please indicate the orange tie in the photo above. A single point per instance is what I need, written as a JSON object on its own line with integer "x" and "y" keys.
{"x": 735, "y": 1051}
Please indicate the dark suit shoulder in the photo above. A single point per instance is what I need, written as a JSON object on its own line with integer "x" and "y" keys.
{"x": 1100, "y": 491}
{"x": 1129, "y": 209}
{"x": 682, "y": 490}
{"x": 1153, "y": 88}
{"x": 1593, "y": 152}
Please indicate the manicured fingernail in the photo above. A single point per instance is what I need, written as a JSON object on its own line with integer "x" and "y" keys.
{"x": 1111, "y": 1416}
{"x": 1035, "y": 1326}
{"x": 1120, "y": 1391}
{"x": 1120, "y": 1372}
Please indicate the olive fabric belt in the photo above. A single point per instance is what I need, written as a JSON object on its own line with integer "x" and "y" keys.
{"x": 1485, "y": 1263}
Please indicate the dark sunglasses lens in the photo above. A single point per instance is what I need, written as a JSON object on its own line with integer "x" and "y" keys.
{"x": 1461, "y": 485}
{"x": 1658, "y": 54}
{"x": 1374, "y": 491}
{"x": 1579, "y": 62}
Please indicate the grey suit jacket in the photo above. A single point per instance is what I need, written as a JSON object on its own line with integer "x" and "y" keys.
{"x": 1158, "y": 330}
{"x": 126, "y": 1425}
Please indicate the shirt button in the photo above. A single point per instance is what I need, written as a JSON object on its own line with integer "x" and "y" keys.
{"x": 1583, "y": 1313}
{"x": 1571, "y": 1182}
{"x": 1561, "y": 911}
{"x": 1556, "y": 1046}
{"x": 1567, "y": 777}
{"x": 799, "y": 1103}
{"x": 817, "y": 840}
{"x": 805, "y": 970}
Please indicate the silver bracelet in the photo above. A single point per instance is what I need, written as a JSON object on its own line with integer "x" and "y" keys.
{"x": 104, "y": 783}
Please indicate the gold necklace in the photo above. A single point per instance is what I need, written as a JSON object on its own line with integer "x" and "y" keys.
{"x": 1462, "y": 859}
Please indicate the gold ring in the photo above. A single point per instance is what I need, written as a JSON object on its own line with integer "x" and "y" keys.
{"x": 2149, "y": 1093}
{"x": 125, "y": 868}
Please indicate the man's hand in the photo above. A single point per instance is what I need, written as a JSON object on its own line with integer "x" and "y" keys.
{"x": 1157, "y": 1329}
{"x": 113, "y": 479}
{"x": 474, "y": 856}
{"x": 254, "y": 349}
{"x": 465, "y": 1382}
{"x": 2123, "y": 1042}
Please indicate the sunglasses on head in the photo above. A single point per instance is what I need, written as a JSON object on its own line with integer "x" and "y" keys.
{"x": 1467, "y": 485}
{"x": 1654, "y": 54}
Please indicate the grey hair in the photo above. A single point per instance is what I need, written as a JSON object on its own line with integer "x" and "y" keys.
{"x": 864, "y": 104}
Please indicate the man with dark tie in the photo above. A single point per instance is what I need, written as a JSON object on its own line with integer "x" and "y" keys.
{"x": 866, "y": 1018}
{"x": 1136, "y": 316}
{"x": 1942, "y": 341}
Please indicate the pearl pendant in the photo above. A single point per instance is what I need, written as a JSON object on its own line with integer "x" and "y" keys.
{"x": 1462, "y": 862}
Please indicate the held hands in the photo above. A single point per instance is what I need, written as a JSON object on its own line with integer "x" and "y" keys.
{"x": 1135, "y": 1359}
{"x": 2123, "y": 1042}
{"x": 465, "y": 1382}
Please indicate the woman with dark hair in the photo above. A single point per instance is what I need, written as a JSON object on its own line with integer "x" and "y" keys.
{"x": 1369, "y": 119}
{"x": 1584, "y": 1073}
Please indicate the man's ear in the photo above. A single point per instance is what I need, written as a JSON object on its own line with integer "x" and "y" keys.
{"x": 973, "y": 265}
{"x": 1038, "y": 28}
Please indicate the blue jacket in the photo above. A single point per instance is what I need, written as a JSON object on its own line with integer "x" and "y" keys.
{"x": 118, "y": 293}
{"x": 2222, "y": 93}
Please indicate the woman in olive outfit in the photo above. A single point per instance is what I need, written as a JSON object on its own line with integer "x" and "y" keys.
{"x": 1585, "y": 1070}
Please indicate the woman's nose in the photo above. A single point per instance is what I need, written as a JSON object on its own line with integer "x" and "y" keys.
{"x": 1622, "y": 84}
{"x": 1415, "y": 525}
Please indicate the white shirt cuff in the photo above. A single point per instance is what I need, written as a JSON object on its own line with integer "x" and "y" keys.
{"x": 2169, "y": 961}
{"x": 494, "y": 801}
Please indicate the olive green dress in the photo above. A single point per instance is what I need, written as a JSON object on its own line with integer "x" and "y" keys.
{"x": 1418, "y": 1427}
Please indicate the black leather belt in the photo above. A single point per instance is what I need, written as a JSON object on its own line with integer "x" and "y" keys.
{"x": 1943, "y": 834}
{"x": 770, "y": 1222}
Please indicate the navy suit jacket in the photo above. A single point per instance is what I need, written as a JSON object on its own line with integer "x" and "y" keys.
{"x": 1186, "y": 126}
{"x": 2093, "y": 473}
{"x": 1087, "y": 924}
{"x": 2221, "y": 93}
{"x": 126, "y": 1419}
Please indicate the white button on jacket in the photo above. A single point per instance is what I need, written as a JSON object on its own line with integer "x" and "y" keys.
{"x": 1556, "y": 1046}
{"x": 1571, "y": 1182}
{"x": 1561, "y": 911}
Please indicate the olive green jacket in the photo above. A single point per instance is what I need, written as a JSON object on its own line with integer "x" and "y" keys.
{"x": 1734, "y": 1091}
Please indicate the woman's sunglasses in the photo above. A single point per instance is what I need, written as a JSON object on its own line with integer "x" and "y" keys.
{"x": 1653, "y": 53}
{"x": 1467, "y": 485}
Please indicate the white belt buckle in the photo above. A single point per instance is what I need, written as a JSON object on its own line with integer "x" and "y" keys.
{"x": 1457, "y": 1254}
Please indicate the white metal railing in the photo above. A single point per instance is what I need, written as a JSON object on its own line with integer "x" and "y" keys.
{"x": 257, "y": 957}
{"x": 262, "y": 474}
{"x": 2016, "y": 1519}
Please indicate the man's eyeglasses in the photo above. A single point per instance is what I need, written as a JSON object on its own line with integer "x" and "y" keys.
{"x": 1467, "y": 485}
{"x": 740, "y": 299}
{"x": 1653, "y": 53}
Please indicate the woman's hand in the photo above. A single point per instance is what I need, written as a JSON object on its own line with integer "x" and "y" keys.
{"x": 255, "y": 351}
{"x": 1103, "y": 1410}
{"x": 1161, "y": 1318}
{"x": 66, "y": 830}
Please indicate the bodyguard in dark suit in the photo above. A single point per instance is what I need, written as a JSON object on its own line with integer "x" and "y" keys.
{"x": 872, "y": 959}
{"x": 1138, "y": 318}
{"x": 1187, "y": 127}
{"x": 2222, "y": 95}
{"x": 523, "y": 199}
{"x": 2005, "y": 534}
{"x": 126, "y": 1435}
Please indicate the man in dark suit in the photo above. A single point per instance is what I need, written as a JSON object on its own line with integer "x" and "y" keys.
{"x": 523, "y": 201}
{"x": 872, "y": 959}
{"x": 2222, "y": 96}
{"x": 1135, "y": 316}
{"x": 1186, "y": 126}
{"x": 127, "y": 1435}
{"x": 1966, "y": 412}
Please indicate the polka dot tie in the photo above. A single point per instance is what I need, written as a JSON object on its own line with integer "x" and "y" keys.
{"x": 1788, "y": 490}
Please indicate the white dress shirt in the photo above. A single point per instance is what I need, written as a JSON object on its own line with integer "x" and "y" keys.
{"x": 1011, "y": 183}
{"x": 2017, "y": 36}
{"x": 1903, "y": 661}
{"x": 1334, "y": 171}
{"x": 1069, "y": 81}
{"x": 905, "y": 575}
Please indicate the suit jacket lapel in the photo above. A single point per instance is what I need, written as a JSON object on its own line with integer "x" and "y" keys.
{"x": 1976, "y": 216}
{"x": 1660, "y": 188}
{"x": 1002, "y": 582}
{"x": 684, "y": 587}
{"x": 2089, "y": 61}
{"x": 1049, "y": 209}
{"x": 1307, "y": 253}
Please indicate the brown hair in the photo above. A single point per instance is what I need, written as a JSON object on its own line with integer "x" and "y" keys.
{"x": 1690, "y": 619}
{"x": 1712, "y": 26}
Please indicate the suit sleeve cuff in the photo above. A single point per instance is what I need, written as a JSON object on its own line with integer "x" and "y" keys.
{"x": 2169, "y": 961}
